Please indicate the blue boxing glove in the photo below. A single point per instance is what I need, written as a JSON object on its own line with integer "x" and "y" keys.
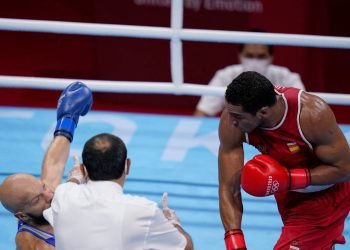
{"x": 75, "y": 101}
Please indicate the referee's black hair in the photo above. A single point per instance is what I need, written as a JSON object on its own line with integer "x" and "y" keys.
{"x": 104, "y": 157}
{"x": 252, "y": 91}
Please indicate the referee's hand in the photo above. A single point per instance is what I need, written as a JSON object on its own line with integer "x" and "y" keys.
{"x": 77, "y": 173}
{"x": 169, "y": 213}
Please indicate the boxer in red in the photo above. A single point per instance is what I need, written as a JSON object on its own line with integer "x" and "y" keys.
{"x": 304, "y": 163}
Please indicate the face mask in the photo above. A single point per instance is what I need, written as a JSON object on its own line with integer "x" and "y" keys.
{"x": 252, "y": 64}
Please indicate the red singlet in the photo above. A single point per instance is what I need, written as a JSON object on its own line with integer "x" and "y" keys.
{"x": 311, "y": 220}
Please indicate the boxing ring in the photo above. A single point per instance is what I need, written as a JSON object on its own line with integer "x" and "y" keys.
{"x": 177, "y": 154}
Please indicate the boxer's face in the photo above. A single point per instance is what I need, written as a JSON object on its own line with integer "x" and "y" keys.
{"x": 25, "y": 196}
{"x": 39, "y": 198}
{"x": 245, "y": 121}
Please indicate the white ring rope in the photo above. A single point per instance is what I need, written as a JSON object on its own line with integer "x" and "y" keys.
{"x": 138, "y": 87}
{"x": 176, "y": 34}
{"x": 94, "y": 29}
{"x": 111, "y": 86}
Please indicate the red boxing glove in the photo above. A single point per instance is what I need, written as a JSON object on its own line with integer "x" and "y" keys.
{"x": 263, "y": 176}
{"x": 234, "y": 240}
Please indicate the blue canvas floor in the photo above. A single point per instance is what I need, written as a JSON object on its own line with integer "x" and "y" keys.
{"x": 176, "y": 154}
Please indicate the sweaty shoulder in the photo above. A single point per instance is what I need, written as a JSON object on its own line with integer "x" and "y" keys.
{"x": 316, "y": 117}
{"x": 26, "y": 241}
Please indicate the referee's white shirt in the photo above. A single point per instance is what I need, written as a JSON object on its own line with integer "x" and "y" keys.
{"x": 98, "y": 216}
{"x": 278, "y": 75}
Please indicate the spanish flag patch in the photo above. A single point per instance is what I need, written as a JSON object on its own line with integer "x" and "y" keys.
{"x": 293, "y": 147}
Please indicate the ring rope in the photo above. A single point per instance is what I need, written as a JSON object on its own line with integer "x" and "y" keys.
{"x": 176, "y": 34}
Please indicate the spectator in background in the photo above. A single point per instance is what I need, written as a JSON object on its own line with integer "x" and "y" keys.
{"x": 252, "y": 57}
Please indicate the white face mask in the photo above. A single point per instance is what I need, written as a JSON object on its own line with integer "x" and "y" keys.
{"x": 253, "y": 64}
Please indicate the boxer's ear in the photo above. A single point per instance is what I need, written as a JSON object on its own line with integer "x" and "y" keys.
{"x": 22, "y": 216}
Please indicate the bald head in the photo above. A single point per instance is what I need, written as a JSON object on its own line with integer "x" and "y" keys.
{"x": 102, "y": 143}
{"x": 15, "y": 191}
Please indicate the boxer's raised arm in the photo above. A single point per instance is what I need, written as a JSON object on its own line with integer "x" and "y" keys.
{"x": 75, "y": 101}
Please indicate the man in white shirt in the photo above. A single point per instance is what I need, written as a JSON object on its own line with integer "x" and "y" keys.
{"x": 98, "y": 215}
{"x": 253, "y": 57}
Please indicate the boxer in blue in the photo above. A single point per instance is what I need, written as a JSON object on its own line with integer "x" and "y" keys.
{"x": 27, "y": 197}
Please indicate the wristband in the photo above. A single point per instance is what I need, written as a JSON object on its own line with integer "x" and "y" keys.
{"x": 65, "y": 126}
{"x": 234, "y": 240}
{"x": 299, "y": 178}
